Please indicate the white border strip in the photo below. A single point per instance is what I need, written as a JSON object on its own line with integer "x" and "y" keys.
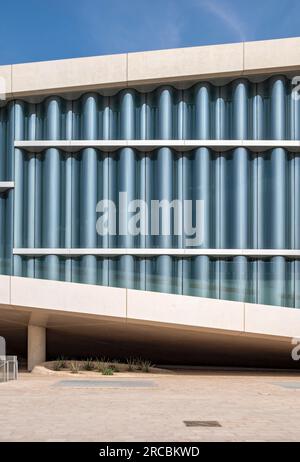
{"x": 149, "y": 145}
{"x": 157, "y": 251}
{"x": 5, "y": 185}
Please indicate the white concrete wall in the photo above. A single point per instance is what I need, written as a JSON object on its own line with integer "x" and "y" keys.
{"x": 150, "y": 307}
{"x": 152, "y": 67}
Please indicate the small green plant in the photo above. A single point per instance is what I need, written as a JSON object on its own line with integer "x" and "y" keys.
{"x": 63, "y": 362}
{"x": 107, "y": 371}
{"x": 145, "y": 365}
{"x": 113, "y": 366}
{"x": 131, "y": 364}
{"x": 88, "y": 365}
{"x": 101, "y": 364}
{"x": 74, "y": 367}
{"x": 57, "y": 366}
{"x": 138, "y": 363}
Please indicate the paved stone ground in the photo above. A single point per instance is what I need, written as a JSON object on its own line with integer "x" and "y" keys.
{"x": 250, "y": 407}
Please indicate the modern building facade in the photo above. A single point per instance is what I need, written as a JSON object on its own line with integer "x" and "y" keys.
{"x": 216, "y": 126}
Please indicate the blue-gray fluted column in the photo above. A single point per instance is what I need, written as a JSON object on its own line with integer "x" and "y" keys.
{"x": 19, "y": 186}
{"x": 278, "y": 165}
{"x": 202, "y": 111}
{"x": 88, "y": 238}
{"x": 181, "y": 129}
{"x": 144, "y": 131}
{"x": 241, "y": 170}
{"x": 202, "y": 166}
{"x": 297, "y": 203}
{"x": 52, "y": 187}
{"x": 31, "y": 189}
{"x": 221, "y": 130}
{"x": 272, "y": 281}
{"x": 67, "y": 238}
{"x": 278, "y": 107}
{"x": 258, "y": 116}
{"x": 165, "y": 181}
{"x": 3, "y": 137}
{"x": 127, "y": 184}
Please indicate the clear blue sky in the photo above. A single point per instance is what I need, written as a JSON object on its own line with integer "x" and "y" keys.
{"x": 34, "y": 30}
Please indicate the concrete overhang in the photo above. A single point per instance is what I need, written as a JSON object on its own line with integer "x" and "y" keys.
{"x": 152, "y": 323}
{"x": 143, "y": 69}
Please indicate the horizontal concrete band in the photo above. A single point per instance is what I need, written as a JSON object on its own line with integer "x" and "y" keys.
{"x": 146, "y": 252}
{"x": 6, "y": 185}
{"x": 149, "y": 145}
{"x": 152, "y": 307}
{"x": 152, "y": 67}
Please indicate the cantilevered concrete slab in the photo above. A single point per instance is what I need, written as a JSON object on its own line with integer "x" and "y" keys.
{"x": 83, "y": 319}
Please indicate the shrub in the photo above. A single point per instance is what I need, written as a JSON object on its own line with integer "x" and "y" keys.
{"x": 101, "y": 364}
{"x": 88, "y": 365}
{"x": 63, "y": 362}
{"x": 145, "y": 365}
{"x": 57, "y": 366}
{"x": 74, "y": 367}
{"x": 131, "y": 364}
{"x": 107, "y": 371}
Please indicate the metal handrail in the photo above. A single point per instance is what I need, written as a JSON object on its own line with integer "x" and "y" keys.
{"x": 5, "y": 362}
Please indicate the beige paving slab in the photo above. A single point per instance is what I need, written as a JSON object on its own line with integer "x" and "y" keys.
{"x": 250, "y": 407}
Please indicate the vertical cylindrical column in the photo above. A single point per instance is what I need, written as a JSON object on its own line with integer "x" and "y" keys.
{"x": 127, "y": 114}
{"x": 165, "y": 184}
{"x": 258, "y": 116}
{"x": 222, "y": 193}
{"x": 279, "y": 199}
{"x": 127, "y": 173}
{"x": 240, "y": 109}
{"x": 52, "y": 185}
{"x": 278, "y": 164}
{"x": 3, "y": 137}
{"x": 19, "y": 185}
{"x": 202, "y": 190}
{"x": 221, "y": 123}
{"x": 181, "y": 116}
{"x": 142, "y": 135}
{"x": 278, "y": 108}
{"x": 165, "y": 113}
{"x": 31, "y": 188}
{"x": 240, "y": 224}
{"x": 202, "y": 114}
{"x": 88, "y": 237}
{"x": 68, "y": 192}
{"x": 201, "y": 276}
{"x": 36, "y": 346}
{"x": 272, "y": 281}
{"x": 241, "y": 181}
{"x": 297, "y": 203}
{"x": 3, "y": 233}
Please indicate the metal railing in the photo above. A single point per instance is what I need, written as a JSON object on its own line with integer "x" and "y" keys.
{"x": 8, "y": 368}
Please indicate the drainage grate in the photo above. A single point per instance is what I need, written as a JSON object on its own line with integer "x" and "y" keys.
{"x": 105, "y": 383}
{"x": 293, "y": 385}
{"x": 202, "y": 423}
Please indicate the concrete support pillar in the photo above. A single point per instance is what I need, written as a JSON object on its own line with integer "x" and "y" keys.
{"x": 36, "y": 346}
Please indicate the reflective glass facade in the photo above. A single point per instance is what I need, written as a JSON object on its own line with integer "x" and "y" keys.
{"x": 251, "y": 198}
